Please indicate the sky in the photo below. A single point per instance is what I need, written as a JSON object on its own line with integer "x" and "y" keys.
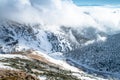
{"x": 96, "y": 2}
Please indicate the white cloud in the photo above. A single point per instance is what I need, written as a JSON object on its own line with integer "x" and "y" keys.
{"x": 61, "y": 12}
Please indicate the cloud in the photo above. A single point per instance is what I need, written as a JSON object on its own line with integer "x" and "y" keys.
{"x": 61, "y": 12}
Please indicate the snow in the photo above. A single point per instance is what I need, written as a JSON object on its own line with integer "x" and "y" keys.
{"x": 101, "y": 38}
{"x": 88, "y": 77}
{"x": 57, "y": 61}
{"x": 54, "y": 58}
{"x": 85, "y": 22}
{"x": 89, "y": 42}
{"x": 2, "y": 66}
{"x": 42, "y": 77}
{"x": 57, "y": 55}
{"x": 102, "y": 56}
{"x": 45, "y": 44}
{"x": 3, "y": 56}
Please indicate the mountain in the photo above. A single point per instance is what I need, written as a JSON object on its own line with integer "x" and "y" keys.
{"x": 15, "y": 36}
{"x": 100, "y": 56}
{"x": 20, "y": 37}
{"x": 41, "y": 53}
{"x": 58, "y": 40}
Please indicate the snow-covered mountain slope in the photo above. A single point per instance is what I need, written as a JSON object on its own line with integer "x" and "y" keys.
{"x": 39, "y": 65}
{"x": 100, "y": 56}
{"x": 16, "y": 36}
{"x": 86, "y": 37}
{"x": 70, "y": 41}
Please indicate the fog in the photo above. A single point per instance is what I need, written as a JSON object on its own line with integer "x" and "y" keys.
{"x": 61, "y": 12}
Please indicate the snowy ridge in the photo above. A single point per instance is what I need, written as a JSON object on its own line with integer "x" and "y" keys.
{"x": 17, "y": 37}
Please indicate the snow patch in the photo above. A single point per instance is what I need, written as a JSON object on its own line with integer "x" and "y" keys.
{"x": 42, "y": 77}
{"x": 3, "y": 56}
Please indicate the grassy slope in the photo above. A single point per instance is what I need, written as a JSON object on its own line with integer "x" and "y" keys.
{"x": 38, "y": 67}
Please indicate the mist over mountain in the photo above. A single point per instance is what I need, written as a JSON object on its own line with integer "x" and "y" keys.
{"x": 61, "y": 12}
{"x": 49, "y": 36}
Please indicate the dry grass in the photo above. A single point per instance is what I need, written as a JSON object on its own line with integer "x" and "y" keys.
{"x": 15, "y": 75}
{"x": 29, "y": 53}
{"x": 39, "y": 65}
